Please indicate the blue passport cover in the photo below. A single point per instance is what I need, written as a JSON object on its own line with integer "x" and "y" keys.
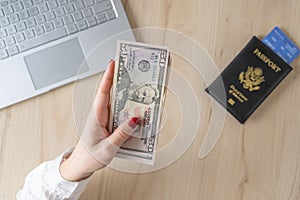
{"x": 249, "y": 79}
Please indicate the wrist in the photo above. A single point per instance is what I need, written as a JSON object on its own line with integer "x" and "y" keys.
{"x": 71, "y": 171}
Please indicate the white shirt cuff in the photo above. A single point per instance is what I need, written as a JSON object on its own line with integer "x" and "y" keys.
{"x": 46, "y": 183}
{"x": 67, "y": 188}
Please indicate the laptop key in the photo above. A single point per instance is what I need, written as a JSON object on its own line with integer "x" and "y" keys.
{"x": 79, "y": 5}
{"x": 60, "y": 12}
{"x": 69, "y": 8}
{"x": 91, "y": 21}
{"x": 30, "y": 22}
{"x": 89, "y": 2}
{"x": 2, "y": 33}
{"x": 20, "y": 37}
{"x": 33, "y": 11}
{"x": 77, "y": 15}
{"x": 14, "y": 18}
{"x": 37, "y": 1}
{"x": 23, "y": 14}
{"x": 111, "y": 14}
{"x": 4, "y": 21}
{"x": 82, "y": 25}
{"x": 12, "y": 50}
{"x": 10, "y": 40}
{"x": 2, "y": 44}
{"x": 1, "y": 13}
{"x": 27, "y": 3}
{"x": 101, "y": 6}
{"x": 87, "y": 12}
{"x": 29, "y": 33}
{"x": 18, "y": 6}
{"x": 11, "y": 29}
{"x": 3, "y": 54}
{"x": 3, "y": 3}
{"x": 40, "y": 19}
{"x": 50, "y": 15}
{"x": 101, "y": 18}
{"x": 52, "y": 4}
{"x": 72, "y": 28}
{"x": 43, "y": 7}
{"x": 8, "y": 10}
{"x": 21, "y": 26}
{"x": 45, "y": 38}
{"x": 62, "y": 2}
{"x": 68, "y": 19}
{"x": 39, "y": 30}
{"x": 58, "y": 23}
{"x": 49, "y": 26}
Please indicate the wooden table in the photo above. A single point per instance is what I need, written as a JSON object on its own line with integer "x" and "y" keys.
{"x": 258, "y": 160}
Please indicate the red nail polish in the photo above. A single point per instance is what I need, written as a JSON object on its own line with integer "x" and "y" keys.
{"x": 134, "y": 122}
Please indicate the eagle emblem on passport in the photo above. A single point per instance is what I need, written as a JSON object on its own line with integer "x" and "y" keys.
{"x": 252, "y": 78}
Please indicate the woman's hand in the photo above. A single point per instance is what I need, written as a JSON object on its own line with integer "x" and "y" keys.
{"x": 97, "y": 147}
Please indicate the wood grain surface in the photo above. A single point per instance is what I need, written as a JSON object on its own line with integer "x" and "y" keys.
{"x": 258, "y": 160}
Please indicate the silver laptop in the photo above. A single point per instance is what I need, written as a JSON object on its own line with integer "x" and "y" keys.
{"x": 45, "y": 44}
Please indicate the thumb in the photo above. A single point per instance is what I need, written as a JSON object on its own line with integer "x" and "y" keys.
{"x": 124, "y": 131}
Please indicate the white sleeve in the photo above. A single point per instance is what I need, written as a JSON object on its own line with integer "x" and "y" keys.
{"x": 45, "y": 182}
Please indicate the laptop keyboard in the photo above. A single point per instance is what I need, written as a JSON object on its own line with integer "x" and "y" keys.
{"x": 26, "y": 24}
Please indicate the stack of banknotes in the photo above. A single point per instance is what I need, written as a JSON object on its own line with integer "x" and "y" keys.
{"x": 141, "y": 74}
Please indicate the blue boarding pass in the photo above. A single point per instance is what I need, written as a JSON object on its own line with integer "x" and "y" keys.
{"x": 278, "y": 41}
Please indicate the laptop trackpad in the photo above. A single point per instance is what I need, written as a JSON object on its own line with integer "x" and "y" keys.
{"x": 56, "y": 63}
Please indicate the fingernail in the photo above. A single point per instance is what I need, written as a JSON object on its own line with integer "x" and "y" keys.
{"x": 133, "y": 122}
{"x": 111, "y": 60}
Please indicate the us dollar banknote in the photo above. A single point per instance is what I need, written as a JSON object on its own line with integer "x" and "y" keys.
{"x": 140, "y": 77}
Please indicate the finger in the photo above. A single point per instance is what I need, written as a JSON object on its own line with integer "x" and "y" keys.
{"x": 103, "y": 93}
{"x": 107, "y": 78}
{"x": 123, "y": 132}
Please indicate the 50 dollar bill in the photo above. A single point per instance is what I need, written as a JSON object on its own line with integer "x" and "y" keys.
{"x": 140, "y": 77}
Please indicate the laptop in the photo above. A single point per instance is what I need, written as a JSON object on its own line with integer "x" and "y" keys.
{"x": 45, "y": 44}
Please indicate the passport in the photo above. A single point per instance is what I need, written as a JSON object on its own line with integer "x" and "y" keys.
{"x": 249, "y": 79}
